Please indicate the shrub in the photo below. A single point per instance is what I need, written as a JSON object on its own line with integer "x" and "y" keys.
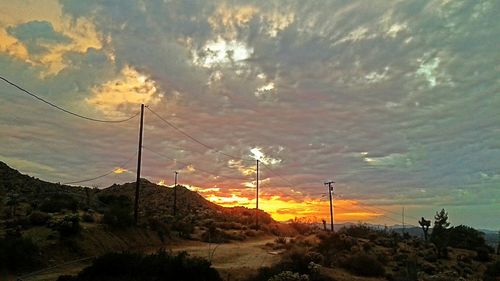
{"x": 214, "y": 235}
{"x": 465, "y": 237}
{"x": 39, "y": 218}
{"x": 119, "y": 211}
{"x": 161, "y": 266}
{"x": 184, "y": 226}
{"x": 18, "y": 254}
{"x": 297, "y": 260}
{"x": 68, "y": 225}
{"x": 302, "y": 228}
{"x": 59, "y": 202}
{"x": 289, "y": 276}
{"x": 493, "y": 271}
{"x": 482, "y": 254}
{"x": 364, "y": 265}
{"x": 280, "y": 240}
{"x": 359, "y": 231}
{"x": 331, "y": 244}
{"x": 87, "y": 217}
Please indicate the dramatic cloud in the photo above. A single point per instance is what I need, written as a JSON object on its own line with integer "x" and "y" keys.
{"x": 397, "y": 101}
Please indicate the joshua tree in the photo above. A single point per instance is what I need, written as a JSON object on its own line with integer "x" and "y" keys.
{"x": 425, "y": 224}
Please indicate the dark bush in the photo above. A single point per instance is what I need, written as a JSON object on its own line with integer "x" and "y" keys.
{"x": 214, "y": 235}
{"x": 302, "y": 228}
{"x": 465, "y": 237}
{"x": 39, "y": 218}
{"x": 67, "y": 226}
{"x": 483, "y": 254}
{"x": 19, "y": 254}
{"x": 87, "y": 217}
{"x": 59, "y": 202}
{"x": 185, "y": 227}
{"x": 332, "y": 244}
{"x": 161, "y": 266}
{"x": 364, "y": 265}
{"x": 297, "y": 260}
{"x": 492, "y": 271}
{"x": 359, "y": 231}
{"x": 119, "y": 211}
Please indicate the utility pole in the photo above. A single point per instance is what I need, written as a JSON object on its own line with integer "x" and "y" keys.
{"x": 175, "y": 193}
{"x": 139, "y": 159}
{"x": 257, "y": 197}
{"x": 330, "y": 191}
{"x": 403, "y": 215}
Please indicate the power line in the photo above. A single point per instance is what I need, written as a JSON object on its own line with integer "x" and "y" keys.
{"x": 65, "y": 110}
{"x": 272, "y": 171}
{"x": 104, "y": 175}
{"x": 389, "y": 211}
{"x": 186, "y": 164}
{"x": 195, "y": 139}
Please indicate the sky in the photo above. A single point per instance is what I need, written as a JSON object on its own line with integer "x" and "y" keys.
{"x": 398, "y": 102}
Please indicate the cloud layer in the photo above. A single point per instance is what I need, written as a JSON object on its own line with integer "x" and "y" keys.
{"x": 396, "y": 100}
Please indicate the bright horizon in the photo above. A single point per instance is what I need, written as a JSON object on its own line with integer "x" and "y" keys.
{"x": 397, "y": 102}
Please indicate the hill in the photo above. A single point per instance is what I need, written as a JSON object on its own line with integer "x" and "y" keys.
{"x": 157, "y": 200}
{"x": 154, "y": 199}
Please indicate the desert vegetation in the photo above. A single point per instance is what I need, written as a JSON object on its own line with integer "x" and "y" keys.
{"x": 44, "y": 224}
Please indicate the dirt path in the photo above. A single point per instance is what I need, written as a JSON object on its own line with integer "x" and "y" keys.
{"x": 234, "y": 261}
{"x": 246, "y": 254}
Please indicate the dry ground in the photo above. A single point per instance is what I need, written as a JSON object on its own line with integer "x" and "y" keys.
{"x": 234, "y": 261}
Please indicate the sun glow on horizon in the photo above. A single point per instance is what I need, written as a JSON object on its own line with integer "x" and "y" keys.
{"x": 283, "y": 209}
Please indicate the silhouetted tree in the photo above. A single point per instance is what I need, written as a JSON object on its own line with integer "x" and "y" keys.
{"x": 12, "y": 201}
{"x": 425, "y": 224}
{"x": 465, "y": 237}
{"x": 439, "y": 234}
{"x": 498, "y": 246}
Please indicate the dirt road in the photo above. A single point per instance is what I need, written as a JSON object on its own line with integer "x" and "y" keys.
{"x": 234, "y": 261}
{"x": 252, "y": 254}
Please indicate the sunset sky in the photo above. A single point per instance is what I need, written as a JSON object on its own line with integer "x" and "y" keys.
{"x": 397, "y": 101}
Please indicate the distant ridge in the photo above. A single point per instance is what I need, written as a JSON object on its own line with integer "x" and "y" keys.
{"x": 154, "y": 199}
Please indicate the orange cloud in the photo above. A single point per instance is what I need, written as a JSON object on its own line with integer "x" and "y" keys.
{"x": 129, "y": 89}
{"x": 284, "y": 208}
{"x": 81, "y": 32}
{"x": 227, "y": 19}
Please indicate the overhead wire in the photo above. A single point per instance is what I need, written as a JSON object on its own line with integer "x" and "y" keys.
{"x": 103, "y": 175}
{"x": 271, "y": 171}
{"x": 193, "y": 138}
{"x": 63, "y": 109}
{"x": 186, "y": 164}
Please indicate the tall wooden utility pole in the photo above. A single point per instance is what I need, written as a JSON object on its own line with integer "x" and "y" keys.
{"x": 403, "y": 216}
{"x": 257, "y": 197}
{"x": 139, "y": 159}
{"x": 175, "y": 193}
{"x": 330, "y": 191}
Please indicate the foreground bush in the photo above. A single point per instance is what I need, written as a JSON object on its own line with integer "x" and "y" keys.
{"x": 465, "y": 237}
{"x": 39, "y": 218}
{"x": 59, "y": 202}
{"x": 118, "y": 213}
{"x": 289, "y": 276}
{"x": 18, "y": 254}
{"x": 161, "y": 266}
{"x": 67, "y": 226}
{"x": 364, "y": 265}
{"x": 333, "y": 244}
{"x": 493, "y": 271}
{"x": 298, "y": 262}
